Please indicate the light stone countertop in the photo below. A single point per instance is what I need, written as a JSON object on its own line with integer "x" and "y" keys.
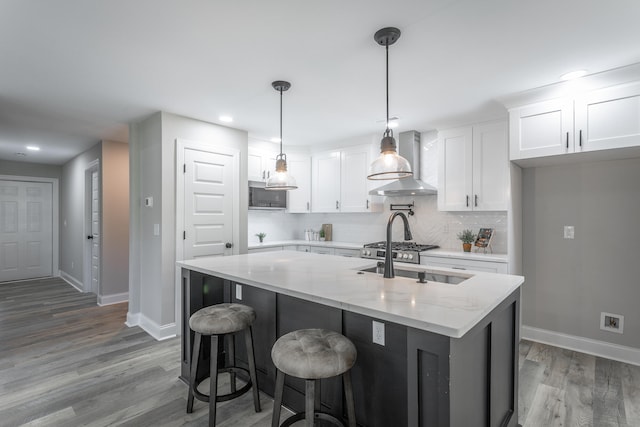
{"x": 476, "y": 256}
{"x": 446, "y": 309}
{"x": 319, "y": 243}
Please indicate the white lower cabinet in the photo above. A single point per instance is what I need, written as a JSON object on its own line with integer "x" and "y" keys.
{"x": 304, "y": 248}
{"x": 321, "y": 250}
{"x": 465, "y": 264}
{"x": 352, "y": 253}
{"x": 268, "y": 249}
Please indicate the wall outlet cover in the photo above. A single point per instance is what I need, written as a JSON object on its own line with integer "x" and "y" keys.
{"x": 378, "y": 332}
{"x": 569, "y": 232}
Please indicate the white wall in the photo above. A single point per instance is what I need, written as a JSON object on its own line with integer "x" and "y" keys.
{"x": 570, "y": 282}
{"x": 153, "y": 154}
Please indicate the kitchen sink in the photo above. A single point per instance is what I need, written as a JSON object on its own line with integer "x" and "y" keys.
{"x": 430, "y": 275}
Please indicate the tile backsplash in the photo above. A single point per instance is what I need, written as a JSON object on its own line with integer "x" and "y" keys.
{"x": 428, "y": 225}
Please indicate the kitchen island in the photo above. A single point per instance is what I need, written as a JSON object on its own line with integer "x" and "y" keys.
{"x": 441, "y": 355}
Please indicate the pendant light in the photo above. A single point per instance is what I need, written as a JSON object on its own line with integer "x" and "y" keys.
{"x": 389, "y": 165}
{"x": 281, "y": 179}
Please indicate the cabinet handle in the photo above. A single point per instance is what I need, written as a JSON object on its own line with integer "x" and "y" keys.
{"x": 367, "y": 203}
{"x": 567, "y": 140}
{"x": 467, "y": 201}
{"x": 476, "y": 201}
{"x": 337, "y": 205}
{"x": 458, "y": 268}
{"x": 580, "y": 137}
{"x": 307, "y": 205}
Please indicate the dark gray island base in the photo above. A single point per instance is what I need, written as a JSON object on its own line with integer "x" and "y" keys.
{"x": 418, "y": 378}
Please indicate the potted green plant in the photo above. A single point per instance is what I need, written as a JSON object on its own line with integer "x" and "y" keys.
{"x": 261, "y": 236}
{"x": 467, "y": 237}
{"x": 321, "y": 234}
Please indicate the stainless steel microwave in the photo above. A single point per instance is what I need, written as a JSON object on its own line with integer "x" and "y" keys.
{"x": 261, "y": 198}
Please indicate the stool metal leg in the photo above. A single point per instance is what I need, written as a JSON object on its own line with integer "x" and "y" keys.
{"x": 232, "y": 361}
{"x": 309, "y": 402}
{"x": 195, "y": 354}
{"x": 213, "y": 380}
{"x": 248, "y": 335}
{"x": 316, "y": 403}
{"x": 348, "y": 391}
{"x": 277, "y": 400}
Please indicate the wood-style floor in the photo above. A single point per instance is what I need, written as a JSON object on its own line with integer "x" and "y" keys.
{"x": 66, "y": 362}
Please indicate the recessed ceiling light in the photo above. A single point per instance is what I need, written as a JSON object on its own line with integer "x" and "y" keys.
{"x": 20, "y": 154}
{"x": 393, "y": 123}
{"x": 275, "y": 139}
{"x": 573, "y": 75}
{"x": 33, "y": 148}
{"x": 226, "y": 119}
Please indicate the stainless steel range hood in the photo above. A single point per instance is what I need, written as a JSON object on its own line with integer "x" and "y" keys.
{"x": 409, "y": 148}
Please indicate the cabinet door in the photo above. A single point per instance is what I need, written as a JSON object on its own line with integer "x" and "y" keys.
{"x": 455, "y": 169}
{"x": 543, "y": 129}
{"x": 264, "y": 332}
{"x": 299, "y": 200}
{"x": 490, "y": 167}
{"x": 465, "y": 264}
{"x": 354, "y": 185}
{"x": 325, "y": 182}
{"x": 321, "y": 250}
{"x": 255, "y": 170}
{"x": 351, "y": 253}
{"x": 608, "y": 118}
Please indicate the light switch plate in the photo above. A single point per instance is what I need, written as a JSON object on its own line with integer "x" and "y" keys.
{"x": 569, "y": 232}
{"x": 378, "y": 332}
{"x": 238, "y": 292}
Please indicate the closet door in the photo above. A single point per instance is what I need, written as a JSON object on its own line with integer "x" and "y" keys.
{"x": 26, "y": 237}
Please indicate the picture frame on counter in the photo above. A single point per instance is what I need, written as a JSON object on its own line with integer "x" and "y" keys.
{"x": 483, "y": 241}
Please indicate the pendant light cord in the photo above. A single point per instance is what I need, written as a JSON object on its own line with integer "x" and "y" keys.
{"x": 387, "y": 131}
{"x": 280, "y": 122}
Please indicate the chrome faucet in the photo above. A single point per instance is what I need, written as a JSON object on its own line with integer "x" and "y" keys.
{"x": 388, "y": 255}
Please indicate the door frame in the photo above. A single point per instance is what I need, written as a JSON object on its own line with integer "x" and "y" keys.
{"x": 55, "y": 199}
{"x": 181, "y": 146}
{"x": 87, "y": 285}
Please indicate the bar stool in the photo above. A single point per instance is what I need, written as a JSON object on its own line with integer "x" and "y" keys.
{"x": 218, "y": 321}
{"x": 313, "y": 354}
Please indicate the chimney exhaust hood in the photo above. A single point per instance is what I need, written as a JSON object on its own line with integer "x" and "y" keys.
{"x": 409, "y": 148}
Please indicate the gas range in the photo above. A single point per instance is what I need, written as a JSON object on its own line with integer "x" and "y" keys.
{"x": 402, "y": 251}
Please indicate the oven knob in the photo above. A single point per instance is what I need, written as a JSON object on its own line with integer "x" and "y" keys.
{"x": 410, "y": 256}
{"x": 405, "y": 256}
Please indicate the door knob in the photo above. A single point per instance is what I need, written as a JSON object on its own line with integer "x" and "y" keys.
{"x": 90, "y": 237}
{"x": 228, "y": 245}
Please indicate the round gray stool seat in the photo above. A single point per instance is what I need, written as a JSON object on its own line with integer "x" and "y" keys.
{"x": 222, "y": 319}
{"x": 313, "y": 354}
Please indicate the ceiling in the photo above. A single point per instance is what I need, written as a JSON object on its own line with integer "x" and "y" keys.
{"x": 75, "y": 72}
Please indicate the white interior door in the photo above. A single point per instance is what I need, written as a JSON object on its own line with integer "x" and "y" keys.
{"x": 208, "y": 203}
{"x": 26, "y": 237}
{"x": 95, "y": 233}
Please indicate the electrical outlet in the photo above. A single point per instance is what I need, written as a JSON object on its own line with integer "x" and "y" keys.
{"x": 569, "y": 232}
{"x": 378, "y": 332}
{"x": 238, "y": 292}
{"x": 612, "y": 322}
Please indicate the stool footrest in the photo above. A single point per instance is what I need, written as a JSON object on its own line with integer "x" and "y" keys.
{"x": 317, "y": 415}
{"x": 224, "y": 397}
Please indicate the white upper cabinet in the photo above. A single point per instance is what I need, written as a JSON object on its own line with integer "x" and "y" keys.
{"x": 543, "y": 129}
{"x": 473, "y": 168}
{"x": 608, "y": 118}
{"x": 599, "y": 120}
{"x": 260, "y": 164}
{"x": 299, "y": 200}
{"x": 339, "y": 181}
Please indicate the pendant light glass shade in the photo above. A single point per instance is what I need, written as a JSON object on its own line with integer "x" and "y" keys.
{"x": 281, "y": 179}
{"x": 389, "y": 165}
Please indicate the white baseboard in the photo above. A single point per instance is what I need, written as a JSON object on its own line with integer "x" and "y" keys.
{"x": 133, "y": 319}
{"x": 113, "y": 299}
{"x": 71, "y": 280}
{"x": 584, "y": 345}
{"x": 159, "y": 332}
